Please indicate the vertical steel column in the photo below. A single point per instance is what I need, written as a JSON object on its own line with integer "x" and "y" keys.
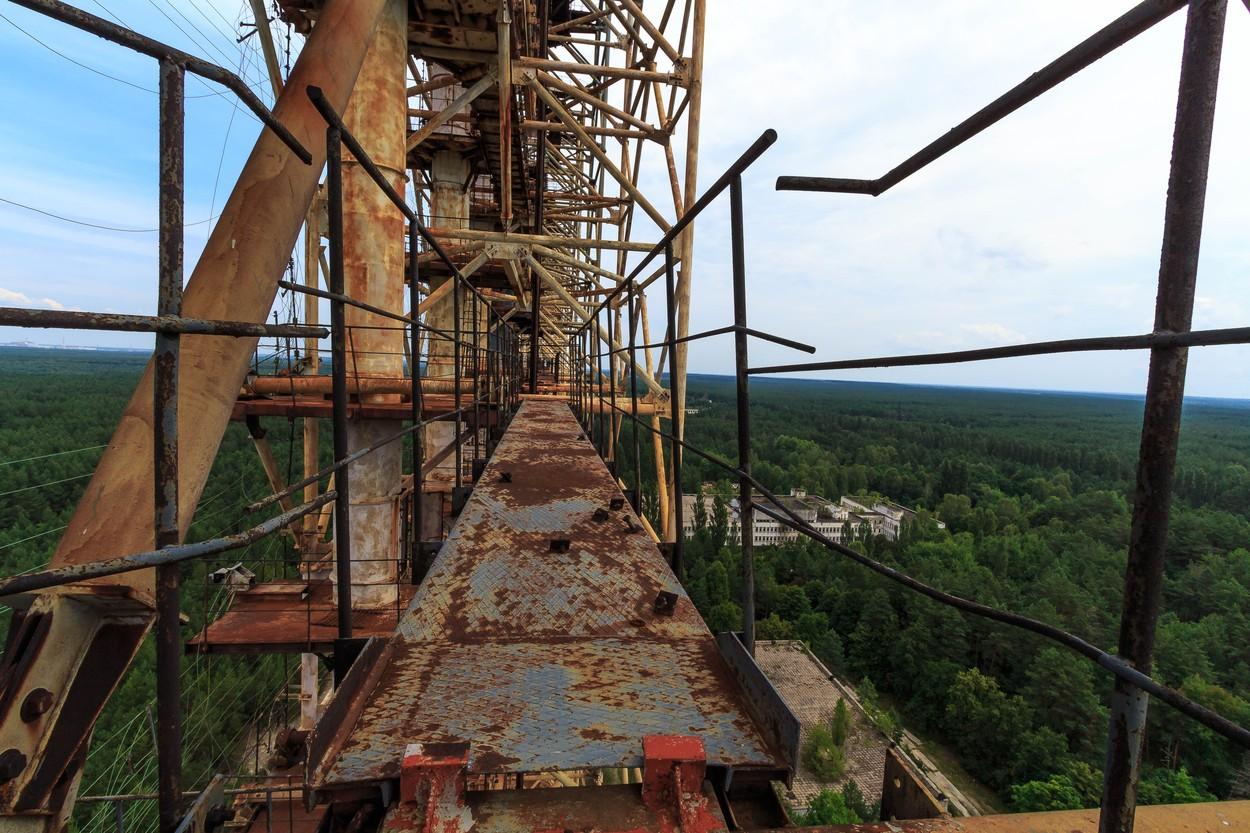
{"x": 583, "y": 376}
{"x": 540, "y": 188}
{"x": 1165, "y": 394}
{"x": 455, "y": 373}
{"x": 633, "y": 399}
{"x": 535, "y": 303}
{"x": 597, "y": 410}
{"x": 417, "y": 558}
{"x": 674, "y": 400}
{"x": 745, "y": 508}
{"x": 165, "y": 449}
{"x": 612, "y": 420}
{"x": 338, "y": 369}
{"x": 477, "y": 380}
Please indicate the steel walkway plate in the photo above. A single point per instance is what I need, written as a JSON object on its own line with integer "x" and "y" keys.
{"x": 545, "y": 659}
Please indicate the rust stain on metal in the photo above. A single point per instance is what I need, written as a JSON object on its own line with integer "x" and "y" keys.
{"x": 1224, "y": 816}
{"x": 546, "y": 660}
{"x": 291, "y": 616}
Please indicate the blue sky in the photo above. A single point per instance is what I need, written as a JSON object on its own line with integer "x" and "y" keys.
{"x": 1045, "y": 226}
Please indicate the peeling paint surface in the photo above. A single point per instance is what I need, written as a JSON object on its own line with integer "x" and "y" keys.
{"x": 544, "y": 659}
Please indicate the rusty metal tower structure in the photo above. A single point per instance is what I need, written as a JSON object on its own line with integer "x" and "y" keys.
{"x": 499, "y": 611}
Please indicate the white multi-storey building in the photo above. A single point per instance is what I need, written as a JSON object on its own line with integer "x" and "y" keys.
{"x": 830, "y": 519}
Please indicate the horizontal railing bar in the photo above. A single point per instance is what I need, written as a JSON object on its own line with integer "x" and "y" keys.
{"x": 74, "y": 320}
{"x": 350, "y": 458}
{"x": 108, "y": 30}
{"x": 719, "y": 331}
{"x": 58, "y": 576}
{"x": 1108, "y": 662}
{"x": 1195, "y": 338}
{"x": 784, "y": 342}
{"x": 352, "y": 302}
{"x": 1115, "y": 34}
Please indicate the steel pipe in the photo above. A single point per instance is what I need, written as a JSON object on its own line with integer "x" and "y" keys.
{"x": 1195, "y": 338}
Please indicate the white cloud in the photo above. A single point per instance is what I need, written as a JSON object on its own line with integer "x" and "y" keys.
{"x": 1046, "y": 225}
{"x": 15, "y": 297}
{"x": 993, "y": 332}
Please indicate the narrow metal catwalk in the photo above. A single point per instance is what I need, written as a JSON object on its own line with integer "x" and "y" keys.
{"x": 550, "y": 633}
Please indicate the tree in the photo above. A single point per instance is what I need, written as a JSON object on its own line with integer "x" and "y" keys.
{"x": 840, "y": 724}
{"x": 700, "y": 509}
{"x": 1060, "y": 688}
{"x": 720, "y": 521}
{"x": 987, "y": 724}
{"x": 878, "y": 626}
{"x": 1165, "y": 786}
{"x": 792, "y": 602}
{"x": 716, "y": 581}
{"x": 1055, "y": 793}
{"x": 829, "y": 807}
{"x": 857, "y": 804}
{"x": 822, "y": 756}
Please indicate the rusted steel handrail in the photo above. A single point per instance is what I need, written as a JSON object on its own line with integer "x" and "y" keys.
{"x": 131, "y": 39}
{"x": 1145, "y": 341}
{"x": 720, "y": 331}
{"x": 163, "y": 556}
{"x": 352, "y": 302}
{"x": 1112, "y": 36}
{"x": 120, "y": 322}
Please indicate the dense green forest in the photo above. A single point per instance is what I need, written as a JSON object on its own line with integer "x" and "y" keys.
{"x": 61, "y": 407}
{"x": 1034, "y": 489}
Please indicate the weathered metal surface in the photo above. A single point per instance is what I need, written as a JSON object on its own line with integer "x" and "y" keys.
{"x": 765, "y": 702}
{"x": 166, "y": 361}
{"x": 606, "y": 809}
{"x": 1215, "y": 817}
{"x": 74, "y": 320}
{"x": 1165, "y": 397}
{"x": 291, "y": 616}
{"x": 674, "y": 768}
{"x": 543, "y": 659}
{"x": 373, "y": 272}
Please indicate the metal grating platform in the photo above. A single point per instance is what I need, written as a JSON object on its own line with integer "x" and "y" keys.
{"x": 542, "y": 659}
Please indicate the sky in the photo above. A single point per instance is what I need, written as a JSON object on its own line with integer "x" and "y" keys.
{"x": 1045, "y": 226}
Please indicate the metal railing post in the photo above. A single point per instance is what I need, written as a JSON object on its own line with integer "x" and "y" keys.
{"x": 416, "y": 559}
{"x": 456, "y": 333}
{"x": 612, "y": 418}
{"x": 1165, "y": 394}
{"x": 535, "y": 308}
{"x": 476, "y": 353}
{"x": 605, "y": 427}
{"x": 165, "y": 448}
{"x": 746, "y": 510}
{"x": 675, "y": 415}
{"x": 633, "y": 399}
{"x": 338, "y": 362}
